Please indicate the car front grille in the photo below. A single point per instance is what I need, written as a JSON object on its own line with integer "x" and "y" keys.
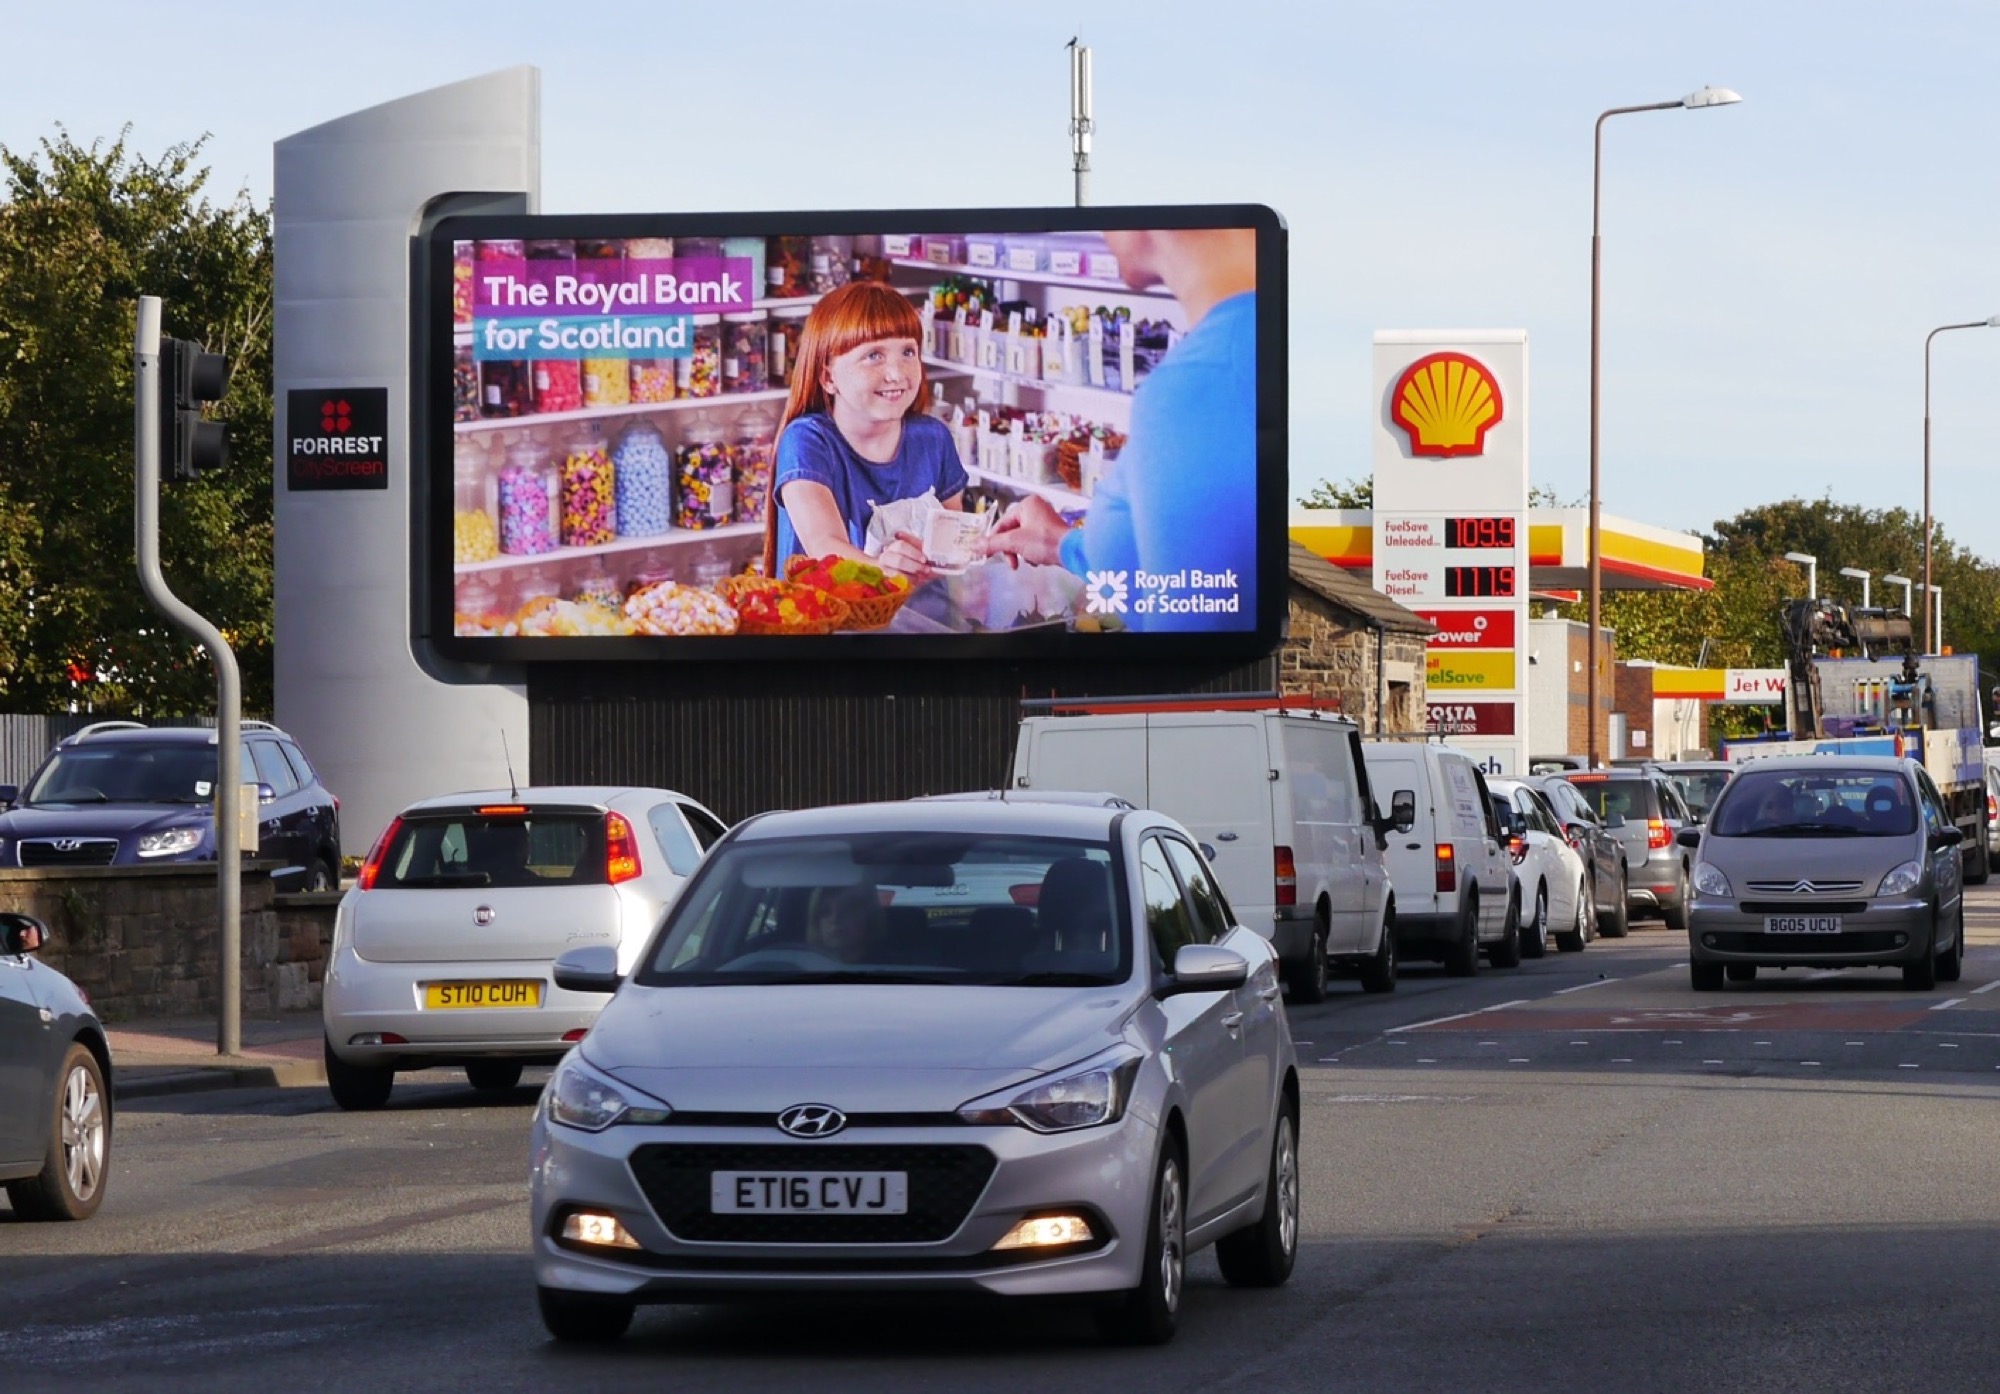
{"x": 68, "y": 851}
{"x": 1870, "y": 941}
{"x": 945, "y": 1182}
{"x": 1803, "y": 907}
{"x": 1804, "y": 887}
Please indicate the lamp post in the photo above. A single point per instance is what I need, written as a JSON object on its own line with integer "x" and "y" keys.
{"x": 1890, "y": 578}
{"x": 1969, "y": 324}
{"x": 1811, "y": 564}
{"x": 1863, "y": 577}
{"x": 1694, "y": 101}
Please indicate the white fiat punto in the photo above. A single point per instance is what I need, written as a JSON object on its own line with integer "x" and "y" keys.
{"x": 443, "y": 951}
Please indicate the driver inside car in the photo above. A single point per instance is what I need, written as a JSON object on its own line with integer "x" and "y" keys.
{"x": 848, "y": 924}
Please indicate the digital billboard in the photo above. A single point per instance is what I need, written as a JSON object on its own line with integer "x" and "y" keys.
{"x": 1022, "y": 433}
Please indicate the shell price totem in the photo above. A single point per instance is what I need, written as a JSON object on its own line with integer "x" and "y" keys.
{"x": 1446, "y": 402}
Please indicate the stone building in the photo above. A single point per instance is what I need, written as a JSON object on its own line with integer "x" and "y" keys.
{"x": 1351, "y": 643}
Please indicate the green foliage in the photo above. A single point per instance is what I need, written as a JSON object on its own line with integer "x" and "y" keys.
{"x": 84, "y": 231}
{"x": 1353, "y": 493}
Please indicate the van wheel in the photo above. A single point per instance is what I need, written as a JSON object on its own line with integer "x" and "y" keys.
{"x": 1308, "y": 979}
{"x": 1461, "y": 959}
{"x": 1535, "y": 934}
{"x": 1618, "y": 923}
{"x": 1507, "y": 953}
{"x": 1378, "y": 973}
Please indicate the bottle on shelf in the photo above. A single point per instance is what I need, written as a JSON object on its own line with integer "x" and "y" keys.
{"x": 528, "y": 498}
{"x": 589, "y": 492}
{"x": 475, "y": 527}
{"x": 754, "y": 449}
{"x": 745, "y": 352}
{"x": 643, "y": 469}
{"x": 704, "y": 478}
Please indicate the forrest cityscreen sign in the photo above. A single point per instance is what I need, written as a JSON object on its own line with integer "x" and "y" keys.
{"x": 1044, "y": 433}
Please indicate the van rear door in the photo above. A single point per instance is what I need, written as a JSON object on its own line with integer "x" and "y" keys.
{"x": 1318, "y": 789}
{"x": 1410, "y": 856}
{"x": 1092, "y": 753}
{"x": 1211, "y": 773}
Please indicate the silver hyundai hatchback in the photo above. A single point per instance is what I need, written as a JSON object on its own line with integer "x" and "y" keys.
{"x": 1826, "y": 861}
{"x": 996, "y": 1047}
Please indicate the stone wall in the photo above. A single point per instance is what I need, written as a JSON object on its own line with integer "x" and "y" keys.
{"x": 1332, "y": 654}
{"x": 142, "y": 940}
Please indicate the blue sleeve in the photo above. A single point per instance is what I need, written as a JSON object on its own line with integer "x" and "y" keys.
{"x": 804, "y": 452}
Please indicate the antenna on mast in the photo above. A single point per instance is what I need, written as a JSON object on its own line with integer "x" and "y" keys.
{"x": 1080, "y": 125}
{"x": 513, "y": 786}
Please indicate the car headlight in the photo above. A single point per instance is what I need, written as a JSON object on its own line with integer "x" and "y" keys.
{"x": 579, "y": 1097}
{"x": 1709, "y": 880}
{"x": 169, "y": 843}
{"x": 1902, "y": 880}
{"x": 1084, "y": 1096}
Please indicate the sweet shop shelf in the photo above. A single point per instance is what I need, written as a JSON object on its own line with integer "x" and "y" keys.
{"x": 672, "y": 537}
{"x": 1056, "y": 494}
{"x": 953, "y": 367}
{"x": 1043, "y": 278}
{"x": 721, "y": 402}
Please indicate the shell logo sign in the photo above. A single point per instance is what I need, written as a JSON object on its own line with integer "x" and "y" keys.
{"x": 1446, "y": 402}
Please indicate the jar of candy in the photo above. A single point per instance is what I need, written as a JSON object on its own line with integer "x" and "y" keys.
{"x": 700, "y": 373}
{"x": 782, "y": 342}
{"x": 499, "y": 249}
{"x": 704, "y": 477}
{"x": 589, "y": 498}
{"x": 477, "y": 605}
{"x": 754, "y": 448}
{"x": 649, "y": 249}
{"x": 831, "y": 265}
{"x": 595, "y": 586}
{"x": 537, "y": 583}
{"x": 527, "y": 500}
{"x": 503, "y": 387}
{"x": 464, "y": 385}
{"x": 698, "y": 248}
{"x": 652, "y": 380}
{"x": 551, "y": 249}
{"x": 475, "y": 533}
{"x": 750, "y": 249}
{"x": 461, "y": 285}
{"x": 745, "y": 343}
{"x": 599, "y": 249}
{"x": 710, "y": 568}
{"x": 788, "y": 262}
{"x": 607, "y": 382}
{"x": 643, "y": 469}
{"x": 558, "y": 385}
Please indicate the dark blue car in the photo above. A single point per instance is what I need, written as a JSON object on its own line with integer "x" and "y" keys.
{"x": 121, "y": 794}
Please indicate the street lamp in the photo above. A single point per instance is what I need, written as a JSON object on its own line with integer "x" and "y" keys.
{"x": 1863, "y": 577}
{"x": 1694, "y": 101}
{"x": 1892, "y": 579}
{"x": 1811, "y": 564}
{"x": 1969, "y": 324}
{"x": 1937, "y": 632}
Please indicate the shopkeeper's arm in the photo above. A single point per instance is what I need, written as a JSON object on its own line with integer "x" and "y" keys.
{"x": 822, "y": 532}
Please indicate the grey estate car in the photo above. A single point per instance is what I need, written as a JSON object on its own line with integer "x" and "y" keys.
{"x": 1826, "y": 862}
{"x": 980, "y": 1047}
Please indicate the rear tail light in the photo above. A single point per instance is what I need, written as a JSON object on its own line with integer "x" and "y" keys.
{"x": 621, "y": 850}
{"x": 1657, "y": 835}
{"x": 1447, "y": 868}
{"x": 572, "y": 1036}
{"x": 1517, "y": 847}
{"x": 1287, "y": 877}
{"x": 1575, "y": 839}
{"x": 372, "y": 868}
{"x": 1992, "y": 809}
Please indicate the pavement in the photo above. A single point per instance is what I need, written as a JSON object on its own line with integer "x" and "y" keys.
{"x": 178, "y": 1055}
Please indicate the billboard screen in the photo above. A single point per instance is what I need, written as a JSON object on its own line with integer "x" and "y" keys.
{"x": 1029, "y": 433}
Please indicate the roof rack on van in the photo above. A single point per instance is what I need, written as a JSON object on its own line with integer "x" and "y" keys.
{"x": 97, "y": 726}
{"x": 1183, "y": 702}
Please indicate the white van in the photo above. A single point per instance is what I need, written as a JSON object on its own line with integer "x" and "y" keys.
{"x": 1281, "y": 801}
{"x": 1455, "y": 888}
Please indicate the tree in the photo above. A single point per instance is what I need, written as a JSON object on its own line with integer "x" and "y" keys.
{"x": 83, "y": 233}
{"x": 1354, "y": 493}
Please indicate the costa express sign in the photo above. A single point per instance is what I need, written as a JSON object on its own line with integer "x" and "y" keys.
{"x": 1469, "y": 718}
{"x": 1446, "y": 403}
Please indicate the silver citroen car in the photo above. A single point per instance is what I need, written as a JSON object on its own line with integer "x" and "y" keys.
{"x": 1826, "y": 861}
{"x": 979, "y": 1047}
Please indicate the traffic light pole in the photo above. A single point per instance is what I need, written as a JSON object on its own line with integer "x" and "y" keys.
{"x": 228, "y": 684}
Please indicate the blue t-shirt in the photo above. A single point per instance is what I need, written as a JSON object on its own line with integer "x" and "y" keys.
{"x": 1180, "y": 503}
{"x": 813, "y": 448}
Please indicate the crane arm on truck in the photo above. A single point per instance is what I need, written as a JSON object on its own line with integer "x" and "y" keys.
{"x": 1818, "y": 627}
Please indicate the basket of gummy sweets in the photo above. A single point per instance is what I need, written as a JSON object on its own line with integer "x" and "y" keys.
{"x": 765, "y": 606}
{"x": 872, "y": 595}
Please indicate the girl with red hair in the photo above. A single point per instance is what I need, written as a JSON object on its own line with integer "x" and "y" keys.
{"x": 857, "y": 433}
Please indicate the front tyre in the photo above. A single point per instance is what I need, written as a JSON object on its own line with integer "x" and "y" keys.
{"x": 1148, "y": 1314}
{"x": 1951, "y": 963}
{"x": 583, "y": 1319}
{"x": 70, "y": 1185}
{"x": 1262, "y": 1255}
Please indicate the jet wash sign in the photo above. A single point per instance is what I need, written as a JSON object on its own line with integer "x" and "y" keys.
{"x": 1451, "y": 524}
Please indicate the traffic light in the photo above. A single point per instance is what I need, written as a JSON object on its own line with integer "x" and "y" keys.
{"x": 188, "y": 377}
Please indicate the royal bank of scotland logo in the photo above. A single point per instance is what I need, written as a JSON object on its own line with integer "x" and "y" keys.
{"x": 1104, "y": 593}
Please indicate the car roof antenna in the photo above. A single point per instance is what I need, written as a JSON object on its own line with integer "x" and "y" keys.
{"x": 513, "y": 786}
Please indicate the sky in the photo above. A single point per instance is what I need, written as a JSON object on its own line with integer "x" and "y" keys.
{"x": 1770, "y": 269}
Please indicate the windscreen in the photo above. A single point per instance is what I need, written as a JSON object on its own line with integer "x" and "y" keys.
{"x": 1816, "y": 803}
{"x": 127, "y": 773}
{"x": 908, "y": 907}
{"x": 471, "y": 849}
{"x": 1628, "y": 798}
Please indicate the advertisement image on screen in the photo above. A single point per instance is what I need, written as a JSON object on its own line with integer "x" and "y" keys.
{"x": 987, "y": 433}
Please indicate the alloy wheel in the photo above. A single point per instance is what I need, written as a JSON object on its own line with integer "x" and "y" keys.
{"x": 1287, "y": 1199}
{"x": 83, "y": 1133}
{"x": 1173, "y": 1260}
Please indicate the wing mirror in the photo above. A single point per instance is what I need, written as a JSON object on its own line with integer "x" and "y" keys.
{"x": 1615, "y": 821}
{"x": 266, "y": 794}
{"x": 1946, "y": 837}
{"x": 1197, "y": 968}
{"x": 1688, "y": 837}
{"x": 592, "y": 968}
{"x": 22, "y": 934}
{"x": 1403, "y": 810}
{"x": 10, "y": 794}
{"x": 1207, "y": 850}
